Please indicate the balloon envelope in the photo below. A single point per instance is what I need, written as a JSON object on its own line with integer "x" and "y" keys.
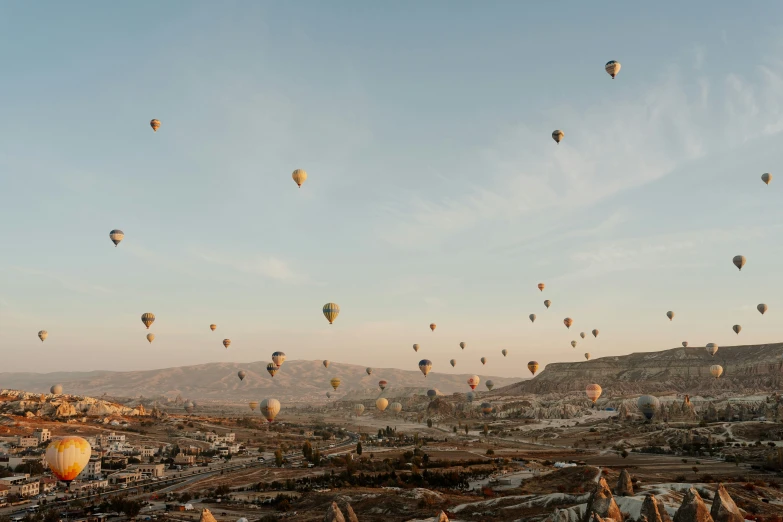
{"x": 453, "y": 362}
{"x": 568, "y": 322}
{"x": 212, "y": 327}
{"x": 462, "y": 345}
{"x": 504, "y": 352}
{"x": 685, "y": 344}
{"x": 648, "y": 405}
{"x": 533, "y": 367}
{"x": 483, "y": 360}
{"x": 739, "y": 261}
{"x": 382, "y": 385}
{"x": 116, "y": 236}
{"x": 612, "y": 67}
{"x": 582, "y": 335}
{"x": 150, "y": 337}
{"x": 270, "y": 408}
{"x": 395, "y": 407}
{"x": 278, "y": 358}
{"x": 532, "y": 317}
{"x": 593, "y": 391}
{"x": 737, "y": 329}
{"x": 381, "y": 404}
{"x": 148, "y": 318}
{"x": 226, "y": 342}
{"x": 762, "y": 308}
{"x": 557, "y": 135}
{"x": 253, "y": 405}
{"x": 716, "y": 370}
{"x": 425, "y": 365}
{"x": 42, "y": 335}
{"x": 272, "y": 369}
{"x": 299, "y": 176}
{"x": 415, "y": 347}
{"x": 241, "y": 374}
{"x": 595, "y": 333}
{"x": 766, "y": 177}
{"x": 489, "y": 384}
{"x": 335, "y": 382}
{"x": 67, "y": 457}
{"x": 326, "y": 363}
{"x": 57, "y": 389}
{"x": 547, "y": 303}
{"x": 358, "y": 409}
{"x": 331, "y": 311}
{"x": 587, "y": 356}
{"x": 670, "y": 315}
{"x": 433, "y": 326}
{"x": 473, "y": 382}
{"x": 541, "y": 286}
{"x": 155, "y": 124}
{"x": 369, "y": 371}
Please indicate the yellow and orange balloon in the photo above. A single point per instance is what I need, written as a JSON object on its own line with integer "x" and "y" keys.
{"x": 67, "y": 457}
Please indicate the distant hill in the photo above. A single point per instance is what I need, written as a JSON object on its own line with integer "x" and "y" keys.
{"x": 219, "y": 381}
{"x": 746, "y": 369}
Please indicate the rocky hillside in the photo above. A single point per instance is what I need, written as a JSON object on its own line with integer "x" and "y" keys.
{"x": 219, "y": 381}
{"x": 15, "y": 402}
{"x": 746, "y": 369}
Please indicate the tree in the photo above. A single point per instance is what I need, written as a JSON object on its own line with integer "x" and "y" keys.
{"x": 455, "y": 429}
{"x": 429, "y": 423}
{"x": 466, "y": 429}
{"x": 359, "y": 448}
{"x": 278, "y": 458}
{"x": 624, "y": 454}
{"x": 486, "y": 430}
{"x": 307, "y": 450}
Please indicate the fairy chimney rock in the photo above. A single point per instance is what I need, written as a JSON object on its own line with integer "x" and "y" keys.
{"x": 723, "y": 507}
{"x": 602, "y": 504}
{"x": 692, "y": 509}
{"x": 624, "y": 486}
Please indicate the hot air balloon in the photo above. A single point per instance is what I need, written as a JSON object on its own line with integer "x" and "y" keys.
{"x": 737, "y": 329}
{"x": 573, "y": 344}
{"x": 432, "y": 394}
{"x": 612, "y": 67}
{"x": 453, "y": 362}
{"x": 762, "y": 308}
{"x": 766, "y": 177}
{"x": 541, "y": 286}
{"x": 670, "y": 315}
{"x": 226, "y": 343}
{"x": 116, "y": 236}
{"x": 648, "y": 405}
{"x": 463, "y": 344}
{"x": 358, "y": 409}
{"x": 381, "y": 403}
{"x": 470, "y": 396}
{"x": 582, "y": 335}
{"x": 335, "y": 382}
{"x": 716, "y": 370}
{"x": 568, "y": 322}
{"x": 595, "y": 333}
{"x": 533, "y": 367}
{"x": 147, "y": 319}
{"x": 253, "y": 405}
{"x": 557, "y": 135}
{"x": 270, "y": 408}
{"x": 155, "y": 124}
{"x": 331, "y": 311}
{"x": 189, "y": 407}
{"x": 486, "y": 408}
{"x": 328, "y": 395}
{"x": 739, "y": 261}
{"x": 395, "y": 408}
{"x": 593, "y": 391}
{"x": 433, "y": 326}
{"x": 473, "y": 382}
{"x": 489, "y": 384}
{"x": 57, "y": 389}
{"x": 299, "y": 176}
{"x": 272, "y": 369}
{"x": 369, "y": 371}
{"x": 685, "y": 344}
{"x": 532, "y": 317}
{"x": 67, "y": 457}
{"x": 150, "y": 337}
{"x": 278, "y": 358}
{"x": 587, "y": 356}
{"x": 415, "y": 347}
{"x": 382, "y": 385}
{"x": 712, "y": 348}
{"x": 483, "y": 360}
{"x": 504, "y": 352}
{"x": 42, "y": 335}
{"x": 547, "y": 303}
{"x": 425, "y": 365}
{"x": 212, "y": 327}
{"x": 326, "y": 363}
{"x": 241, "y": 374}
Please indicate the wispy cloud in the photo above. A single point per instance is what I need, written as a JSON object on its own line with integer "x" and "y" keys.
{"x": 656, "y": 252}
{"x": 614, "y": 146}
{"x": 266, "y": 266}
{"x": 66, "y": 282}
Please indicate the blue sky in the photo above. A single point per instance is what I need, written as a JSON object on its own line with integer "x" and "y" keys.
{"x": 435, "y": 192}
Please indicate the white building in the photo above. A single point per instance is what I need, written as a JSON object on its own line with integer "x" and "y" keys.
{"x": 26, "y": 441}
{"x": 115, "y": 437}
{"x": 21, "y": 485}
{"x": 43, "y": 435}
{"x": 88, "y": 486}
{"x": 147, "y": 451}
{"x": 92, "y": 471}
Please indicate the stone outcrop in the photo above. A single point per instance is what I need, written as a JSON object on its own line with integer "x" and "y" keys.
{"x": 349, "y": 514}
{"x": 441, "y": 517}
{"x": 653, "y": 510}
{"x": 333, "y": 514}
{"x": 602, "y": 503}
{"x": 206, "y": 516}
{"x": 692, "y": 509}
{"x": 61, "y": 407}
{"x": 723, "y": 507}
{"x": 624, "y": 486}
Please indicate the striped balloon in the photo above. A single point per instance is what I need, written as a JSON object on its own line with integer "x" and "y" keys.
{"x": 425, "y": 365}
{"x": 42, "y": 335}
{"x": 148, "y": 319}
{"x": 335, "y": 382}
{"x": 331, "y": 311}
{"x": 557, "y": 135}
{"x": 272, "y": 369}
{"x": 116, "y": 236}
{"x": 612, "y": 67}
{"x": 155, "y": 124}
{"x": 226, "y": 342}
{"x": 278, "y": 358}
{"x": 67, "y": 457}
{"x": 270, "y": 408}
{"x": 395, "y": 407}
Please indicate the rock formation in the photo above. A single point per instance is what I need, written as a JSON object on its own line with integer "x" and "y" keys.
{"x": 206, "y": 516}
{"x": 350, "y": 514}
{"x": 602, "y": 503}
{"x": 653, "y": 510}
{"x": 723, "y": 507}
{"x": 333, "y": 514}
{"x": 692, "y": 509}
{"x": 624, "y": 486}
